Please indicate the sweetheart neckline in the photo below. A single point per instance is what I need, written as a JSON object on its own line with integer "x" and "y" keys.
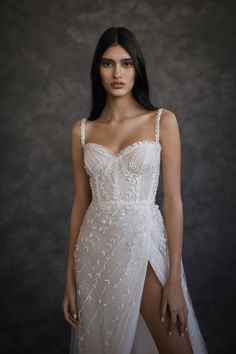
{"x": 126, "y": 148}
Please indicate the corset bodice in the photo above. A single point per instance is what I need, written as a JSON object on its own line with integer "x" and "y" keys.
{"x": 131, "y": 175}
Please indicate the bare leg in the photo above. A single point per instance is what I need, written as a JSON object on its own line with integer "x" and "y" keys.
{"x": 150, "y": 310}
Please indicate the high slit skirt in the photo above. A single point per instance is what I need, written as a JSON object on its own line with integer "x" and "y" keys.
{"x": 115, "y": 243}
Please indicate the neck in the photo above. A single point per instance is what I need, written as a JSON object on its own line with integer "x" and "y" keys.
{"x": 117, "y": 108}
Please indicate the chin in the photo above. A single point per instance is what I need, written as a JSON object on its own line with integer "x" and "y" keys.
{"x": 122, "y": 92}
{"x": 118, "y": 94}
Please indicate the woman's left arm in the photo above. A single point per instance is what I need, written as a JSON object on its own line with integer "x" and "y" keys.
{"x": 173, "y": 298}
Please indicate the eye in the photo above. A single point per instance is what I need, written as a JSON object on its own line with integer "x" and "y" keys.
{"x": 106, "y": 64}
{"x": 128, "y": 64}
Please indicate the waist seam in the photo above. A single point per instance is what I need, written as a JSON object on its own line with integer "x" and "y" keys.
{"x": 131, "y": 202}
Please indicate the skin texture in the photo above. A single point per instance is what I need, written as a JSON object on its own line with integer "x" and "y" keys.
{"x": 122, "y": 122}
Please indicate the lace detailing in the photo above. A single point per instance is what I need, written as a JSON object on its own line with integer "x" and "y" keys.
{"x": 121, "y": 231}
{"x": 82, "y": 131}
{"x": 105, "y": 150}
{"x": 131, "y": 175}
{"x": 157, "y": 127}
{"x": 110, "y": 263}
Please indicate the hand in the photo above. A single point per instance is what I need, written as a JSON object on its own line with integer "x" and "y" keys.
{"x": 69, "y": 304}
{"x": 173, "y": 298}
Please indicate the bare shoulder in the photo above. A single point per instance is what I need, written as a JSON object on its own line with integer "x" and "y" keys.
{"x": 76, "y": 135}
{"x": 75, "y": 129}
{"x": 168, "y": 118}
{"x": 169, "y": 128}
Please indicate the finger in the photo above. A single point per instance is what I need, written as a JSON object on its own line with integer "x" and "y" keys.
{"x": 172, "y": 322}
{"x": 73, "y": 307}
{"x": 67, "y": 314}
{"x": 186, "y": 319}
{"x": 182, "y": 323}
{"x": 73, "y": 320}
{"x": 70, "y": 320}
{"x": 163, "y": 309}
{"x": 186, "y": 311}
{"x": 73, "y": 312}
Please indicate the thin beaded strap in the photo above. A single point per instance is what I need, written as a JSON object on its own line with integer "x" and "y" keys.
{"x": 157, "y": 127}
{"x": 82, "y": 131}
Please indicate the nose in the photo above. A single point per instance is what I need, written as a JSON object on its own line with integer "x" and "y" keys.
{"x": 116, "y": 73}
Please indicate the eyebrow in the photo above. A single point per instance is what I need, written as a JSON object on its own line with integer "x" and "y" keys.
{"x": 120, "y": 60}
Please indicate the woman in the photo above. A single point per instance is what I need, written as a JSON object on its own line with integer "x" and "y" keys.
{"x": 125, "y": 289}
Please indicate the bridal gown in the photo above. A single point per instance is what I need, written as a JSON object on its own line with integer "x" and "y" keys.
{"x": 121, "y": 231}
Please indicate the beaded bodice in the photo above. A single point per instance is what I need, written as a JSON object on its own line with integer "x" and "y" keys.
{"x": 132, "y": 174}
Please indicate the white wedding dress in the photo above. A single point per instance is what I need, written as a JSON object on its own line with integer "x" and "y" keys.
{"x": 121, "y": 231}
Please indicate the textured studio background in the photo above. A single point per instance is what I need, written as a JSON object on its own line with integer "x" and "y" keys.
{"x": 46, "y": 52}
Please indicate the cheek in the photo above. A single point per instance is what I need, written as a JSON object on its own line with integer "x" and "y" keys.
{"x": 131, "y": 75}
{"x": 105, "y": 78}
{"x": 104, "y": 73}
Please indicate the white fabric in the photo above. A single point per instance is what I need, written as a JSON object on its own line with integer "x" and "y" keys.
{"x": 122, "y": 229}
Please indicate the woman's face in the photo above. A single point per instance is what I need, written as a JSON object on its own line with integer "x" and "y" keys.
{"x": 117, "y": 66}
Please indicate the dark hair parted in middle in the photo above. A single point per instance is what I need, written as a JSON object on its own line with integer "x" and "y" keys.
{"x": 126, "y": 39}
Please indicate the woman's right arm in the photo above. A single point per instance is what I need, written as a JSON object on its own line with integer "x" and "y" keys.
{"x": 81, "y": 200}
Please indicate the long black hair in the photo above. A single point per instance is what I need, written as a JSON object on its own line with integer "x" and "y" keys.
{"x": 140, "y": 90}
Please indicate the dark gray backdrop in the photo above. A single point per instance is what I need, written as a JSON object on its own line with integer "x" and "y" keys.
{"x": 46, "y": 52}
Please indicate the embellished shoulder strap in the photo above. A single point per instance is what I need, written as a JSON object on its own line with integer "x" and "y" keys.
{"x": 82, "y": 131}
{"x": 157, "y": 126}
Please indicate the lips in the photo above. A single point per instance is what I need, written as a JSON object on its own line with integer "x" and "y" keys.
{"x": 118, "y": 84}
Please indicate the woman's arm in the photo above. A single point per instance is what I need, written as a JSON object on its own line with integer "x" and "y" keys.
{"x": 81, "y": 200}
{"x": 172, "y": 201}
{"x": 173, "y": 297}
{"x": 81, "y": 194}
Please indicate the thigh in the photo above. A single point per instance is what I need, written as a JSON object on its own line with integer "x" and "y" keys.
{"x": 150, "y": 310}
